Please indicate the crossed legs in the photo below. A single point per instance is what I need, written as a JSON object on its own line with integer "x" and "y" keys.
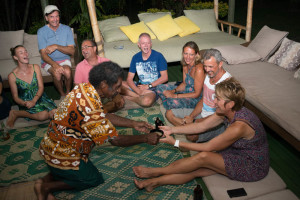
{"x": 180, "y": 171}
{"x": 145, "y": 100}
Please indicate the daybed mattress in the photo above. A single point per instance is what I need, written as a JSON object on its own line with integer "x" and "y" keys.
{"x": 273, "y": 90}
{"x": 121, "y": 52}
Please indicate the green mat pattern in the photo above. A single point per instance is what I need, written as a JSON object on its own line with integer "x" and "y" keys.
{"x": 20, "y": 161}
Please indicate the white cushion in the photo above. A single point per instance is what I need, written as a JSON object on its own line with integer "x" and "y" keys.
{"x": 31, "y": 45}
{"x": 205, "y": 19}
{"x": 110, "y": 28}
{"x": 297, "y": 74}
{"x": 280, "y": 195}
{"x": 149, "y": 17}
{"x": 218, "y": 185}
{"x": 9, "y": 39}
{"x": 288, "y": 55}
{"x": 236, "y": 54}
{"x": 267, "y": 41}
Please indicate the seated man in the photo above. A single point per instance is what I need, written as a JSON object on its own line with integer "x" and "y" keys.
{"x": 151, "y": 68}
{"x": 91, "y": 59}
{"x": 79, "y": 124}
{"x": 56, "y": 45}
{"x": 215, "y": 73}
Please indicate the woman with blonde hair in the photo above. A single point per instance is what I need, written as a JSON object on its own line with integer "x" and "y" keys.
{"x": 240, "y": 152}
{"x": 27, "y": 89}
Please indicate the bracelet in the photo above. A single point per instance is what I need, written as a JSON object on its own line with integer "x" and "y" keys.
{"x": 176, "y": 143}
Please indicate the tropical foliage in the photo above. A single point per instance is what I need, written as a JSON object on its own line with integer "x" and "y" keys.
{"x": 223, "y": 7}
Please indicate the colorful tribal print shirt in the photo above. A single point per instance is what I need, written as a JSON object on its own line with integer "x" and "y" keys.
{"x": 79, "y": 123}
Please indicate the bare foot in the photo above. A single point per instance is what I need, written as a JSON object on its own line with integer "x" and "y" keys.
{"x": 51, "y": 197}
{"x": 144, "y": 184}
{"x": 11, "y": 119}
{"x": 38, "y": 189}
{"x": 144, "y": 172}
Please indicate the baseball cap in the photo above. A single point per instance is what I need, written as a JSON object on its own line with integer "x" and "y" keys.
{"x": 49, "y": 9}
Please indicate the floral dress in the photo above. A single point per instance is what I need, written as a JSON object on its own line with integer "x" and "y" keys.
{"x": 247, "y": 160}
{"x": 171, "y": 103}
{"x": 27, "y": 91}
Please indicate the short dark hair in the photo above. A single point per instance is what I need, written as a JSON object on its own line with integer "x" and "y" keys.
{"x": 106, "y": 71}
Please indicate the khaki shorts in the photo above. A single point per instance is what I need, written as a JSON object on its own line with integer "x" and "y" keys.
{"x": 61, "y": 63}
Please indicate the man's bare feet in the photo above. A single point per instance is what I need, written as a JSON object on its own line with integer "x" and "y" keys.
{"x": 147, "y": 184}
{"x": 38, "y": 189}
{"x": 11, "y": 119}
{"x": 144, "y": 172}
{"x": 51, "y": 197}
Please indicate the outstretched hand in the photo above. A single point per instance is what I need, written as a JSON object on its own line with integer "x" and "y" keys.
{"x": 142, "y": 126}
{"x": 167, "y": 133}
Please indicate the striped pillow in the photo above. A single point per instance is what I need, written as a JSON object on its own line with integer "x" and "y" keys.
{"x": 287, "y": 56}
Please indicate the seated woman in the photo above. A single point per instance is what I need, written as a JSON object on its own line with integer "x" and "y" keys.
{"x": 188, "y": 93}
{"x": 241, "y": 152}
{"x": 27, "y": 89}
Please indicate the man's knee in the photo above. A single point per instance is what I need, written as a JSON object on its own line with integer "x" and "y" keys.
{"x": 192, "y": 138}
{"x": 148, "y": 101}
{"x": 67, "y": 71}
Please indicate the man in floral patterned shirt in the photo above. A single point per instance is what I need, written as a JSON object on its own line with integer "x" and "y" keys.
{"x": 79, "y": 124}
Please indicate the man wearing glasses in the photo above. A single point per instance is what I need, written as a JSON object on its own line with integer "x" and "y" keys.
{"x": 91, "y": 59}
{"x": 56, "y": 45}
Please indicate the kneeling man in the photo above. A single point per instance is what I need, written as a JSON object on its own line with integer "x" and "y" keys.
{"x": 79, "y": 124}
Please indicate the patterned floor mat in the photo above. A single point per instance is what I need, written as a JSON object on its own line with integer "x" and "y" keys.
{"x": 20, "y": 161}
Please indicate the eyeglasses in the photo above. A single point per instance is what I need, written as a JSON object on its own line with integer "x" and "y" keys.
{"x": 85, "y": 47}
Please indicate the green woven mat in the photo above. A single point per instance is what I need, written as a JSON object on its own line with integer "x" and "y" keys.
{"x": 20, "y": 161}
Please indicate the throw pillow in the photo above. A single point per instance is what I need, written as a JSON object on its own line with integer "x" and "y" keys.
{"x": 297, "y": 74}
{"x": 149, "y": 17}
{"x": 205, "y": 19}
{"x": 236, "y": 54}
{"x": 164, "y": 27}
{"x": 288, "y": 55}
{"x": 110, "y": 28}
{"x": 31, "y": 45}
{"x": 186, "y": 25}
{"x": 8, "y": 40}
{"x": 133, "y": 31}
{"x": 267, "y": 41}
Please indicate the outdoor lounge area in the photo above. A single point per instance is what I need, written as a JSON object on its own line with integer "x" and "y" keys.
{"x": 271, "y": 92}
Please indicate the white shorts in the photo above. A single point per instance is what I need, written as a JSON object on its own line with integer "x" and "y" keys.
{"x": 65, "y": 62}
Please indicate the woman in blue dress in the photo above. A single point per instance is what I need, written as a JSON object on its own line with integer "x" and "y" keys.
{"x": 27, "y": 89}
{"x": 188, "y": 93}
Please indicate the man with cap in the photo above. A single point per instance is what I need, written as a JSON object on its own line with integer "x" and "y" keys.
{"x": 56, "y": 45}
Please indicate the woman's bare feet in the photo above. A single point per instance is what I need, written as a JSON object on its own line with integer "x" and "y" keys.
{"x": 147, "y": 184}
{"x": 11, "y": 119}
{"x": 144, "y": 172}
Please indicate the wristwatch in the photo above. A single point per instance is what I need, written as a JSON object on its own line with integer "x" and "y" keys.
{"x": 150, "y": 86}
{"x": 176, "y": 143}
